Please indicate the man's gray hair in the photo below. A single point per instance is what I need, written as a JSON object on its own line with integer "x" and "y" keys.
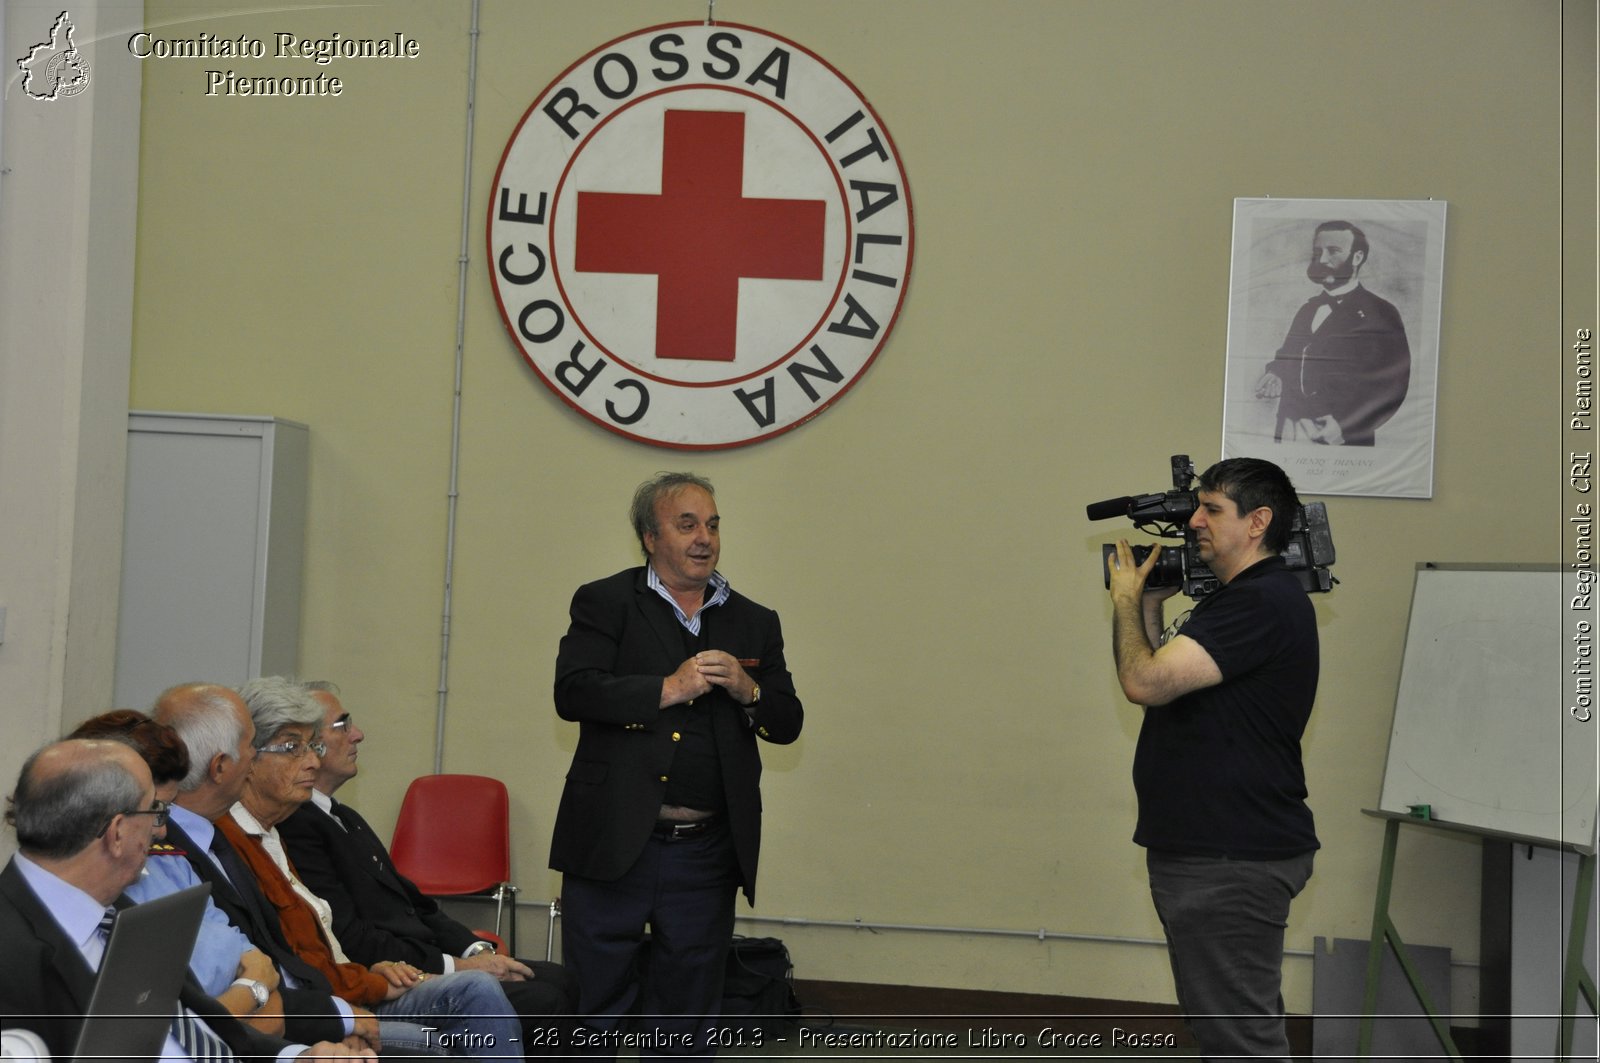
{"x": 204, "y": 718}
{"x": 60, "y": 814}
{"x": 647, "y": 494}
{"x": 276, "y": 702}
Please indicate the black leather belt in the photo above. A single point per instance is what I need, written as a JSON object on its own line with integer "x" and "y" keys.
{"x": 674, "y": 830}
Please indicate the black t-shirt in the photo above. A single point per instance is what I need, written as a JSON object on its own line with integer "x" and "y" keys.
{"x": 1218, "y": 771}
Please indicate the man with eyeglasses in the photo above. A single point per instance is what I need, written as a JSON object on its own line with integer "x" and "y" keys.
{"x": 219, "y": 734}
{"x": 223, "y": 962}
{"x": 467, "y": 1008}
{"x": 378, "y": 913}
{"x": 85, "y": 813}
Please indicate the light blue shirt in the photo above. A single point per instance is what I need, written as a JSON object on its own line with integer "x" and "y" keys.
{"x": 218, "y": 939}
{"x": 200, "y": 831}
{"x": 219, "y": 945}
{"x": 77, "y": 913}
{"x": 719, "y": 594}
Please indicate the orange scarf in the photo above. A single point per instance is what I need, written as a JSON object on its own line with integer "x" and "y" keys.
{"x": 301, "y": 928}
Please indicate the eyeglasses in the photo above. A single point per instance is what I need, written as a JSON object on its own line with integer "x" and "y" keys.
{"x": 342, "y": 722}
{"x": 296, "y": 748}
{"x": 161, "y": 811}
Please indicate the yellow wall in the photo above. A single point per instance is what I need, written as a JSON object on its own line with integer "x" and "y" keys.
{"x": 1073, "y": 165}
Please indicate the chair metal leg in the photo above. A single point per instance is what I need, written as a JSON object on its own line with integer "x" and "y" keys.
{"x": 500, "y": 909}
{"x": 511, "y": 923}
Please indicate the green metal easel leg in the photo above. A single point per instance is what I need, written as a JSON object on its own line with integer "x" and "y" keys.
{"x": 1575, "y": 976}
{"x": 1380, "y": 921}
{"x": 1384, "y": 932}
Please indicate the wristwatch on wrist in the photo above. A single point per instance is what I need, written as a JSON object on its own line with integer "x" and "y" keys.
{"x": 755, "y": 696}
{"x": 258, "y": 990}
{"x": 478, "y": 948}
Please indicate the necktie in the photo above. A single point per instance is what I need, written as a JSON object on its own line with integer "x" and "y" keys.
{"x": 197, "y": 1039}
{"x": 104, "y": 929}
{"x": 191, "y": 1033}
{"x": 1325, "y": 305}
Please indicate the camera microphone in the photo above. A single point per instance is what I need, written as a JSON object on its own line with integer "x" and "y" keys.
{"x": 1111, "y": 507}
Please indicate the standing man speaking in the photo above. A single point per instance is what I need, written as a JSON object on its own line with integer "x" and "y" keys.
{"x": 1220, "y": 783}
{"x": 671, "y": 676}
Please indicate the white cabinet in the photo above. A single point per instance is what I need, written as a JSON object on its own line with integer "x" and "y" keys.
{"x": 1543, "y": 884}
{"x": 213, "y": 542}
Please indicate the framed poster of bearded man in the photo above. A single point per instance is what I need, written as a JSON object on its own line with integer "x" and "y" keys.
{"x": 1333, "y": 341}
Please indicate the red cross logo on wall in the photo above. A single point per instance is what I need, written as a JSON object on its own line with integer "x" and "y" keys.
{"x": 700, "y": 235}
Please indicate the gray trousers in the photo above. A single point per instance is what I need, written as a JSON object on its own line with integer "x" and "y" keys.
{"x": 1224, "y": 921}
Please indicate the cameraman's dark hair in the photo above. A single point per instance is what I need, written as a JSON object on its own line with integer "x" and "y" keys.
{"x": 1253, "y": 483}
{"x": 1358, "y": 239}
{"x": 58, "y": 812}
{"x": 643, "y": 511}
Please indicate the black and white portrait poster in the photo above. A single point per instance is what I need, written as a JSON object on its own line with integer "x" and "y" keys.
{"x": 1333, "y": 342}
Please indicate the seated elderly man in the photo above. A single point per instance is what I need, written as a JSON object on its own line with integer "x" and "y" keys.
{"x": 85, "y": 813}
{"x": 224, "y": 962}
{"x": 378, "y": 912}
{"x": 471, "y": 1014}
{"x": 219, "y": 737}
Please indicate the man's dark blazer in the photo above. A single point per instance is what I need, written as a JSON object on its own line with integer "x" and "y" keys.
{"x": 309, "y": 1013}
{"x": 47, "y": 984}
{"x": 624, "y": 639}
{"x": 379, "y": 914}
{"x": 1356, "y": 367}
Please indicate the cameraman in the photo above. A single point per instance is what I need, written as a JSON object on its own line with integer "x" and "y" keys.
{"x": 1217, "y": 771}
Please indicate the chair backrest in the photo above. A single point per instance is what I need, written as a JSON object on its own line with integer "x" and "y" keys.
{"x": 454, "y": 834}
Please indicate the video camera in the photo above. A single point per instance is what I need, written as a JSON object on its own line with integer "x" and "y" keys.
{"x": 1166, "y": 515}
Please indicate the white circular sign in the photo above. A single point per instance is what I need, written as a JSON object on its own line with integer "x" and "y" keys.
{"x": 700, "y": 235}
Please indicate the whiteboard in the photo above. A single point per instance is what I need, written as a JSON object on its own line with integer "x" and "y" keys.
{"x": 1483, "y": 731}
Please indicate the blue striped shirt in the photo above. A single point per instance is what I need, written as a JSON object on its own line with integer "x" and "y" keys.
{"x": 719, "y": 594}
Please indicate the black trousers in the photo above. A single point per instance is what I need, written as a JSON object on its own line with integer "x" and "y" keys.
{"x": 683, "y": 890}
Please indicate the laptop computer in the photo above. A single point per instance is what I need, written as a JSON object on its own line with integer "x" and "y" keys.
{"x": 136, "y": 991}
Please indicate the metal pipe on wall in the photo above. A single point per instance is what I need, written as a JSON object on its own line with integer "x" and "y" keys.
{"x": 462, "y": 262}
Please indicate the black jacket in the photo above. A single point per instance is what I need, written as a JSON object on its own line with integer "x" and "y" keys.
{"x": 47, "y": 984}
{"x": 622, "y": 642}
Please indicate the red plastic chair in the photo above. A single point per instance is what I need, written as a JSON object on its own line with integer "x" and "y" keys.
{"x": 453, "y": 839}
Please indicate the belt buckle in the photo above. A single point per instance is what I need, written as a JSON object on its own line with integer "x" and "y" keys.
{"x": 678, "y": 831}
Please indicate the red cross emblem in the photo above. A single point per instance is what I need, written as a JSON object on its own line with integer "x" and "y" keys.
{"x": 700, "y": 235}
